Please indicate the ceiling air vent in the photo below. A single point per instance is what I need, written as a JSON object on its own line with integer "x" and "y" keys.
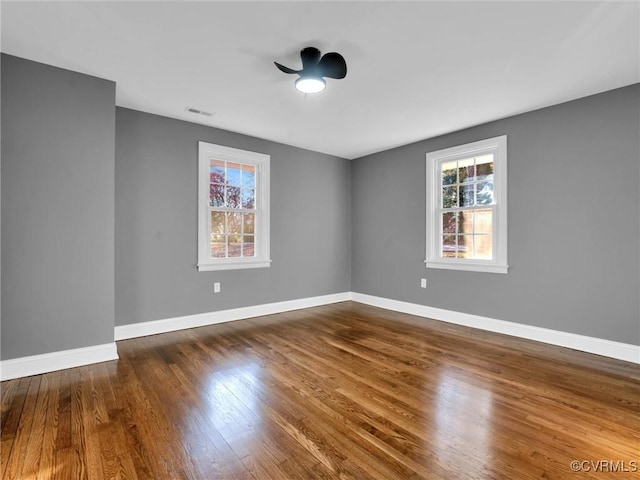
{"x": 198, "y": 112}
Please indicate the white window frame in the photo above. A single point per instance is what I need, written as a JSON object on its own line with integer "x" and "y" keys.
{"x": 434, "y": 259}
{"x": 206, "y": 151}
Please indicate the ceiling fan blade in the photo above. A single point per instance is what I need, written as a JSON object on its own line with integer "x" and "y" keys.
{"x": 332, "y": 65}
{"x": 284, "y": 69}
{"x": 310, "y": 57}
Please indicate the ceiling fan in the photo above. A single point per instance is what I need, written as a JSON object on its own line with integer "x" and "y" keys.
{"x": 315, "y": 67}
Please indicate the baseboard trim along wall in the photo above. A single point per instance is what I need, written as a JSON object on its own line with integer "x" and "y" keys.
{"x": 134, "y": 330}
{"x": 598, "y": 346}
{"x": 50, "y": 362}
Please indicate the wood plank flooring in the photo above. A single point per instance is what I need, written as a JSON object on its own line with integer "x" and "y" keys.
{"x": 344, "y": 391}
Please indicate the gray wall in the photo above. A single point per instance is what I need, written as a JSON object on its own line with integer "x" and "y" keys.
{"x": 574, "y": 213}
{"x": 573, "y": 173}
{"x": 156, "y": 223}
{"x": 57, "y": 209}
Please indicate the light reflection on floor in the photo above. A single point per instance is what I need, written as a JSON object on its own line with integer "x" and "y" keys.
{"x": 225, "y": 413}
{"x": 462, "y": 417}
{"x": 232, "y": 405}
{"x": 228, "y": 387}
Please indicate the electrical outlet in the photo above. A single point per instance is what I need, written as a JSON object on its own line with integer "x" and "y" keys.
{"x": 216, "y": 287}
{"x": 423, "y": 283}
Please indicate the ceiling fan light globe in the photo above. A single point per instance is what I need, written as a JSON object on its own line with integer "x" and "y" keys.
{"x": 310, "y": 84}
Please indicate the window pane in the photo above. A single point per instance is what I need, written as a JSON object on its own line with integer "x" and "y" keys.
{"x": 484, "y": 167}
{"x": 235, "y": 222}
{"x": 484, "y": 193}
{"x": 466, "y": 170}
{"x": 449, "y": 197}
{"x": 248, "y": 246}
{"x": 465, "y": 246}
{"x": 449, "y": 246}
{"x": 216, "y": 171}
{"x": 248, "y": 223}
{"x": 218, "y": 249}
{"x": 465, "y": 222}
{"x": 216, "y": 195}
{"x": 233, "y": 174}
{"x": 466, "y": 195}
{"x": 483, "y": 221}
{"x": 448, "y": 173}
{"x": 248, "y": 198}
{"x": 217, "y": 223}
{"x": 248, "y": 177}
{"x": 449, "y": 222}
{"x": 483, "y": 247}
{"x": 233, "y": 197}
{"x": 234, "y": 245}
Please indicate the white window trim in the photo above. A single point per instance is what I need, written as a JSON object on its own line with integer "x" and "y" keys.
{"x": 262, "y": 230}
{"x": 497, "y": 146}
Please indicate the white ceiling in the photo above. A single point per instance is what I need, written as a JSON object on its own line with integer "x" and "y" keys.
{"x": 416, "y": 69}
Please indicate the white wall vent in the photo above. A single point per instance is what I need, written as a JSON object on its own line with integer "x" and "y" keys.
{"x": 198, "y": 111}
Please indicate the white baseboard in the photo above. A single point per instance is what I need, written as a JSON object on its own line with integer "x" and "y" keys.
{"x": 50, "y": 362}
{"x": 599, "y": 346}
{"x": 134, "y": 330}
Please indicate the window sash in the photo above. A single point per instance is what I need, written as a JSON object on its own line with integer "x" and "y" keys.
{"x": 227, "y": 232}
{"x": 441, "y": 233}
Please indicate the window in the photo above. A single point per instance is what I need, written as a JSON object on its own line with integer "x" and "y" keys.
{"x": 233, "y": 208}
{"x": 467, "y": 207}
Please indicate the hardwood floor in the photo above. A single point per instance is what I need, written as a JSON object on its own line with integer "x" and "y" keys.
{"x": 344, "y": 391}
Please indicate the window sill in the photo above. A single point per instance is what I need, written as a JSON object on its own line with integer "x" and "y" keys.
{"x": 469, "y": 267}
{"x": 234, "y": 265}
